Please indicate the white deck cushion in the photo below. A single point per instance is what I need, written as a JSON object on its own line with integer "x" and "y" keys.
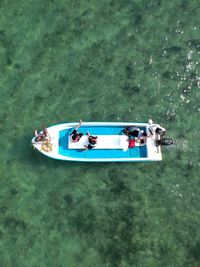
{"x": 103, "y": 142}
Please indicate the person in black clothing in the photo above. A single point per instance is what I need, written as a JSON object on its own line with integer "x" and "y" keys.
{"x": 136, "y": 133}
{"x": 75, "y": 135}
{"x": 92, "y": 141}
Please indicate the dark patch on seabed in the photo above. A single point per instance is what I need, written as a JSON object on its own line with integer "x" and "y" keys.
{"x": 100, "y": 61}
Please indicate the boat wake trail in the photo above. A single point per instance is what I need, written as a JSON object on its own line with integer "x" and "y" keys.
{"x": 180, "y": 144}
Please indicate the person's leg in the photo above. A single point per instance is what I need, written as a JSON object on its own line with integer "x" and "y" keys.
{"x": 45, "y": 130}
{"x": 79, "y": 125}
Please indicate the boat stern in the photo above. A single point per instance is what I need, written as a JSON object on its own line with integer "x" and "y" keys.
{"x": 153, "y": 150}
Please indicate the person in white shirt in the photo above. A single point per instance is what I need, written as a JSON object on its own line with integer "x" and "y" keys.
{"x": 156, "y": 128}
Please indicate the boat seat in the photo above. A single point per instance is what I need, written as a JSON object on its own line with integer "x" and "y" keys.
{"x": 103, "y": 142}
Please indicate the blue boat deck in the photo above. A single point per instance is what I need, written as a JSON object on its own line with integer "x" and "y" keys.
{"x": 136, "y": 152}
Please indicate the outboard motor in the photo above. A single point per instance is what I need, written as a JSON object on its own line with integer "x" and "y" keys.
{"x": 165, "y": 142}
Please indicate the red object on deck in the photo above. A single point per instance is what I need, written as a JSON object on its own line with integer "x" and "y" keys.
{"x": 131, "y": 143}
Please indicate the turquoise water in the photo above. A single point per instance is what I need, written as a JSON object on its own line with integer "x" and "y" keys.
{"x": 100, "y": 61}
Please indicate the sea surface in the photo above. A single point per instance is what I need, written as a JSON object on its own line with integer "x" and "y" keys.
{"x": 99, "y": 60}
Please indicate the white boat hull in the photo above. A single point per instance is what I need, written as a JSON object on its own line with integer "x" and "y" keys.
{"x": 115, "y": 150}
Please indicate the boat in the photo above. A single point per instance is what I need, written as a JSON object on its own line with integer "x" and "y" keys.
{"x": 112, "y": 145}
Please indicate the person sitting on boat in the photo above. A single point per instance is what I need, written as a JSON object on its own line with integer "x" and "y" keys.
{"x": 43, "y": 136}
{"x": 136, "y": 133}
{"x": 75, "y": 135}
{"x": 92, "y": 141}
{"x": 140, "y": 136}
{"x": 156, "y": 128}
{"x": 126, "y": 131}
